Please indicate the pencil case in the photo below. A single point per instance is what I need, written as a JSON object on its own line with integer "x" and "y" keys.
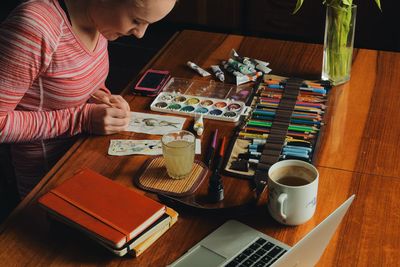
{"x": 285, "y": 122}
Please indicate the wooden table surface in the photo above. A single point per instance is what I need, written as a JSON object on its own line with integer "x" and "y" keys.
{"x": 359, "y": 154}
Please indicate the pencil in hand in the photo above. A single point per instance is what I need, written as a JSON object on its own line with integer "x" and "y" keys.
{"x": 108, "y": 103}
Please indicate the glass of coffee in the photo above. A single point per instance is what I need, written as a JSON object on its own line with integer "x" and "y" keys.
{"x": 178, "y": 150}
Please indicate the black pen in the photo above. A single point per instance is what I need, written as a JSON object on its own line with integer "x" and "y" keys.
{"x": 215, "y": 186}
{"x": 211, "y": 150}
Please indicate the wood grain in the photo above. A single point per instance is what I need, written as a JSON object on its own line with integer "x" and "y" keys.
{"x": 358, "y": 155}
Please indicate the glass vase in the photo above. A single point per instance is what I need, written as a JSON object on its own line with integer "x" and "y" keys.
{"x": 338, "y": 43}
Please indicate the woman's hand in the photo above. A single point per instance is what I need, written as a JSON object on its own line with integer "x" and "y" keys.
{"x": 111, "y": 115}
{"x": 109, "y": 120}
{"x": 119, "y": 102}
{"x": 102, "y": 97}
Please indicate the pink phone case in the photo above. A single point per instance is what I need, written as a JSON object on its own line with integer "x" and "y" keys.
{"x": 152, "y": 82}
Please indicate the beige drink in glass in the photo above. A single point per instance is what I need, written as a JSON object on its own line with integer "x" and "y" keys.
{"x": 178, "y": 151}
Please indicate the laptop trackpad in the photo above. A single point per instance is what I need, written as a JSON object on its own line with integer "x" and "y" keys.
{"x": 200, "y": 257}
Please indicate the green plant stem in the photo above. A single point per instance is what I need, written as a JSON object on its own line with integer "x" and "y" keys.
{"x": 338, "y": 53}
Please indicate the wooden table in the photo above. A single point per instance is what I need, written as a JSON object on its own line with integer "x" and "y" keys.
{"x": 359, "y": 154}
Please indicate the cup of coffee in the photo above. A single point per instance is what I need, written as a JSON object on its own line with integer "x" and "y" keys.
{"x": 293, "y": 187}
{"x": 178, "y": 150}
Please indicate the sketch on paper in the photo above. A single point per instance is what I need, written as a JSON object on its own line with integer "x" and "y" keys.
{"x": 123, "y": 147}
{"x": 135, "y": 147}
{"x": 154, "y": 124}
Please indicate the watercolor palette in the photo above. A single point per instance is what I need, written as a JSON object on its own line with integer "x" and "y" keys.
{"x": 190, "y": 105}
{"x": 215, "y": 100}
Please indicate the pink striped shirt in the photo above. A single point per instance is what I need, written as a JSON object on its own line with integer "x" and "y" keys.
{"x": 46, "y": 77}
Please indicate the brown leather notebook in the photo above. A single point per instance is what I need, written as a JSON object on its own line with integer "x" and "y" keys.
{"x": 102, "y": 207}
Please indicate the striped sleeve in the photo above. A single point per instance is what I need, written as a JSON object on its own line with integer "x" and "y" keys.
{"x": 28, "y": 38}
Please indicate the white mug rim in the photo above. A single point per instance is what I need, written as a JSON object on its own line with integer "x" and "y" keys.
{"x": 299, "y": 163}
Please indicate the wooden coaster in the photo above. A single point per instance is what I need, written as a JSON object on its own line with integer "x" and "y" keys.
{"x": 155, "y": 178}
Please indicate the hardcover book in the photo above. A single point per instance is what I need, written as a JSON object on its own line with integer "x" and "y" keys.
{"x": 138, "y": 245}
{"x": 101, "y": 207}
{"x": 141, "y": 247}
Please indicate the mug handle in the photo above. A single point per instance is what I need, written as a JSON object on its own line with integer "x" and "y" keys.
{"x": 281, "y": 200}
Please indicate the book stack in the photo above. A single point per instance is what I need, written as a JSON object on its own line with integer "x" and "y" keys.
{"x": 118, "y": 218}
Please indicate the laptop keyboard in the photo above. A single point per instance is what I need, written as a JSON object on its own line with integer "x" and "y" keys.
{"x": 260, "y": 253}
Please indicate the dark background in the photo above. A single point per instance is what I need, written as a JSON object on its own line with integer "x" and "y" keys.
{"x": 262, "y": 18}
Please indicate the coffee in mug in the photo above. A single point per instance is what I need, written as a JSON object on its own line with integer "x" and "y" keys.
{"x": 293, "y": 187}
{"x": 292, "y": 181}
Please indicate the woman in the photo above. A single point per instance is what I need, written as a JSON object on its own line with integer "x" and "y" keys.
{"x": 53, "y": 66}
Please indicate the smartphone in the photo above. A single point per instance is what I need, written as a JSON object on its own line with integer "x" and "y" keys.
{"x": 152, "y": 82}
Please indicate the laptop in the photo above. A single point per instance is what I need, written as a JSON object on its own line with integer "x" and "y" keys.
{"x": 236, "y": 244}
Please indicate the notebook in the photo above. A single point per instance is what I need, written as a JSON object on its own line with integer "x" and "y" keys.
{"x": 138, "y": 245}
{"x": 236, "y": 244}
{"x": 101, "y": 207}
{"x": 140, "y": 248}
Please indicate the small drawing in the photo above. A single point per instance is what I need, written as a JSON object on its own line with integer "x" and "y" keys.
{"x": 132, "y": 147}
{"x": 154, "y": 124}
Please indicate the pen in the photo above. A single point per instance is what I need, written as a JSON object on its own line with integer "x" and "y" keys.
{"x": 215, "y": 187}
{"x": 211, "y": 150}
{"x": 220, "y": 157}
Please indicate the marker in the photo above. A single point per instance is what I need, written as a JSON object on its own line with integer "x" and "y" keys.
{"x": 247, "y": 135}
{"x": 259, "y": 141}
{"x": 301, "y": 143}
{"x": 218, "y": 72}
{"x": 295, "y": 152}
{"x": 215, "y": 187}
{"x": 199, "y": 70}
{"x": 248, "y": 156}
{"x": 294, "y": 157}
{"x": 211, "y": 150}
{"x": 298, "y": 155}
{"x": 220, "y": 157}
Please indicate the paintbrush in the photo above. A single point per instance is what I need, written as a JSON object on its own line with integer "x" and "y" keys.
{"x": 103, "y": 101}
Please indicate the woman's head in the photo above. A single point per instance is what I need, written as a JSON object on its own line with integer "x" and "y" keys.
{"x": 115, "y": 18}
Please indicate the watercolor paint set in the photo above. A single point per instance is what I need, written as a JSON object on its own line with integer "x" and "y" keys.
{"x": 211, "y": 99}
{"x": 210, "y": 108}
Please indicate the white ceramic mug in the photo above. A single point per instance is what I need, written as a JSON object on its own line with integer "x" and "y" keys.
{"x": 293, "y": 187}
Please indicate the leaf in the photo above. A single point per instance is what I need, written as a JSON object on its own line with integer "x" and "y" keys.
{"x": 349, "y": 2}
{"x": 300, "y": 3}
{"x": 378, "y": 3}
{"x": 336, "y": 3}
